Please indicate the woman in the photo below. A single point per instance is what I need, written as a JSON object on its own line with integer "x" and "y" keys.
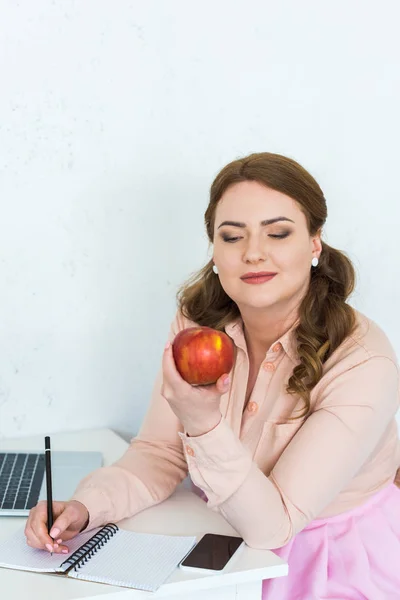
{"x": 297, "y": 447}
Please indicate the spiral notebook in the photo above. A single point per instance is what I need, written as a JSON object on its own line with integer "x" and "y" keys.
{"x": 105, "y": 555}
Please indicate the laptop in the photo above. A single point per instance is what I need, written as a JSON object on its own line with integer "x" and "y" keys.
{"x": 23, "y": 479}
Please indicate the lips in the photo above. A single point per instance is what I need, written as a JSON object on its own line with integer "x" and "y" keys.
{"x": 260, "y": 277}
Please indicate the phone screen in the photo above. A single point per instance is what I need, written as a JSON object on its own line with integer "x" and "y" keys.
{"x": 212, "y": 552}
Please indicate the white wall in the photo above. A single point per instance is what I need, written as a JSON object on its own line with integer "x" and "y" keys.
{"x": 114, "y": 118}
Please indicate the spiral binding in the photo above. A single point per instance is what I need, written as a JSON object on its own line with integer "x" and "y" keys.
{"x": 89, "y": 548}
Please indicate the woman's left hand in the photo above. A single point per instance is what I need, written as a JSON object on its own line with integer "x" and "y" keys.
{"x": 197, "y": 407}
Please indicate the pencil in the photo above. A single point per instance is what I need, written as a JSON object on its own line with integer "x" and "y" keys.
{"x": 50, "y": 518}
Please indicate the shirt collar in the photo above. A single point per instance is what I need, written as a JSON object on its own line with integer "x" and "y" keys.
{"x": 288, "y": 340}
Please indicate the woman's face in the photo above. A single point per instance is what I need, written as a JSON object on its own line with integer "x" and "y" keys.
{"x": 262, "y": 247}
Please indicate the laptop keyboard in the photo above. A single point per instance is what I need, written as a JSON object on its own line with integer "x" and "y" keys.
{"x": 21, "y": 477}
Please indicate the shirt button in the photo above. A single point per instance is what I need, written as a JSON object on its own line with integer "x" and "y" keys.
{"x": 269, "y": 366}
{"x": 252, "y": 407}
{"x": 277, "y": 347}
{"x": 189, "y": 451}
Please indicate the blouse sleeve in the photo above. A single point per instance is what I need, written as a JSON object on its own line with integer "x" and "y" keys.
{"x": 147, "y": 473}
{"x": 354, "y": 411}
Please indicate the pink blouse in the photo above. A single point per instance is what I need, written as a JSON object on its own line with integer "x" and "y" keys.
{"x": 267, "y": 475}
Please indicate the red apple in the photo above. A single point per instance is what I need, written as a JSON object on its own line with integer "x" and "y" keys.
{"x": 202, "y": 354}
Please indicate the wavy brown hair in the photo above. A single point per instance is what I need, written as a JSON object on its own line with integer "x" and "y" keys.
{"x": 325, "y": 318}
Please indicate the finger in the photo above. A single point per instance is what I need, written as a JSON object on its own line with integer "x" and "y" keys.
{"x": 33, "y": 540}
{"x": 223, "y": 383}
{"x": 61, "y": 524}
{"x": 38, "y": 525}
{"x": 54, "y": 546}
{"x": 61, "y": 549}
{"x": 61, "y": 545}
{"x": 170, "y": 372}
{"x": 36, "y": 528}
{"x": 221, "y": 386}
{"x": 40, "y": 532}
{"x": 41, "y": 509}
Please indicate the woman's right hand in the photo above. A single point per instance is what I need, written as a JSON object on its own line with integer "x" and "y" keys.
{"x": 69, "y": 519}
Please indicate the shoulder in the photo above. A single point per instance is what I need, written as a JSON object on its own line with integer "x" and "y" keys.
{"x": 371, "y": 338}
{"x": 362, "y": 370}
{"x": 368, "y": 341}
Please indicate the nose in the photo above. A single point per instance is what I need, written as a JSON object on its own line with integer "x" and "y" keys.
{"x": 255, "y": 251}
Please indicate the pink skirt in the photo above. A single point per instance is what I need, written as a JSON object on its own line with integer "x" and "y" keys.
{"x": 352, "y": 556}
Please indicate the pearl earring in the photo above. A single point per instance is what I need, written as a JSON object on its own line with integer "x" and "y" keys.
{"x": 215, "y": 269}
{"x": 314, "y": 262}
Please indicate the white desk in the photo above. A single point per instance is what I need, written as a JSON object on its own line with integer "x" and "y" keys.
{"x": 183, "y": 513}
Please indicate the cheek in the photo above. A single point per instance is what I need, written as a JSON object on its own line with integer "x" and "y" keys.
{"x": 225, "y": 257}
{"x": 229, "y": 263}
{"x": 294, "y": 261}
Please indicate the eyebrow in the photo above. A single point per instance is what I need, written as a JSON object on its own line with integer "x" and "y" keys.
{"x": 263, "y": 223}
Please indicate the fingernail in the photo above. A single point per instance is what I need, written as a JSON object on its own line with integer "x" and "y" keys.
{"x": 226, "y": 381}
{"x": 65, "y": 551}
{"x": 49, "y": 547}
{"x": 54, "y": 533}
{"x": 167, "y": 345}
{"x": 59, "y": 541}
{"x": 55, "y": 545}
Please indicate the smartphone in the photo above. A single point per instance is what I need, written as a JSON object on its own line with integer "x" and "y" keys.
{"x": 212, "y": 553}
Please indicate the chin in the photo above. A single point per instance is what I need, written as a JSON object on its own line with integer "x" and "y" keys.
{"x": 258, "y": 297}
{"x": 260, "y": 303}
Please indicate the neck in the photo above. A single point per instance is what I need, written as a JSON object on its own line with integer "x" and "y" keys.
{"x": 264, "y": 327}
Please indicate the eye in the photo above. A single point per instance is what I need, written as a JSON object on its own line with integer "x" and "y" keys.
{"x": 279, "y": 236}
{"x": 230, "y": 239}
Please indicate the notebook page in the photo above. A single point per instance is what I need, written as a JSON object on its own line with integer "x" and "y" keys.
{"x": 16, "y": 554}
{"x": 136, "y": 560}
